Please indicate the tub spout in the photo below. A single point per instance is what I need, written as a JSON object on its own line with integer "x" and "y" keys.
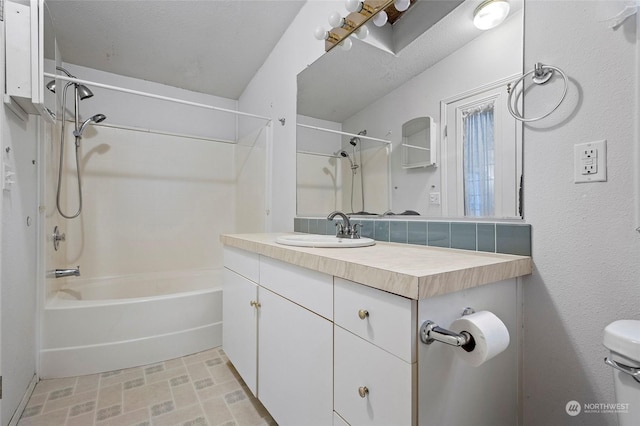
{"x": 67, "y": 272}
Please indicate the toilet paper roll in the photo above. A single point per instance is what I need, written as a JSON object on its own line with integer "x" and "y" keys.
{"x": 489, "y": 333}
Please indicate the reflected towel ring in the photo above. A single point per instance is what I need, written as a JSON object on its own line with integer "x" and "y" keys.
{"x": 541, "y": 75}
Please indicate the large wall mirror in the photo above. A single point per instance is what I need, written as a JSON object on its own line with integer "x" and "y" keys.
{"x": 432, "y": 62}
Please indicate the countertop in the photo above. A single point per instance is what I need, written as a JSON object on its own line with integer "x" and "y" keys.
{"x": 412, "y": 271}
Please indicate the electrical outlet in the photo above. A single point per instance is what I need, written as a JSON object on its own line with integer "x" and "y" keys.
{"x": 590, "y": 162}
{"x": 434, "y": 198}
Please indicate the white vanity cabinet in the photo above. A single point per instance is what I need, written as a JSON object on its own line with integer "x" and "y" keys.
{"x": 280, "y": 337}
{"x": 240, "y": 325}
{"x": 319, "y": 348}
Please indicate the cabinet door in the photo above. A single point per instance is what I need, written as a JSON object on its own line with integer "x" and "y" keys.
{"x": 240, "y": 326}
{"x": 295, "y": 363}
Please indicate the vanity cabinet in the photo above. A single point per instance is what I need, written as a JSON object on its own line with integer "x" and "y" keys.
{"x": 280, "y": 335}
{"x": 319, "y": 347}
{"x": 240, "y": 325}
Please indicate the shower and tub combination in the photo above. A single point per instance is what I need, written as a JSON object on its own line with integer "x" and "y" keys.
{"x": 354, "y": 166}
{"x": 140, "y": 300}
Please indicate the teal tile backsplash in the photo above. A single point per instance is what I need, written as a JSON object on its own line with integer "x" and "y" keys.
{"x": 508, "y": 238}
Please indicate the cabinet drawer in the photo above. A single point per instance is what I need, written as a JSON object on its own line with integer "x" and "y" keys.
{"x": 242, "y": 262}
{"x": 390, "y": 383}
{"x": 384, "y": 319}
{"x": 311, "y": 289}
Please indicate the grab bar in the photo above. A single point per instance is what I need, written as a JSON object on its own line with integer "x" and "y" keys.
{"x": 633, "y": 372}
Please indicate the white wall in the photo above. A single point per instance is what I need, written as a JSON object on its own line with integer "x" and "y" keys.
{"x": 18, "y": 266}
{"x": 585, "y": 247}
{"x": 272, "y": 92}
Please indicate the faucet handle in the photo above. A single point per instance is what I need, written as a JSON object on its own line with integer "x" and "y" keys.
{"x": 354, "y": 230}
{"x": 339, "y": 229}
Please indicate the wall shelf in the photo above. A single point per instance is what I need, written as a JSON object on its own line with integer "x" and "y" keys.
{"x": 419, "y": 143}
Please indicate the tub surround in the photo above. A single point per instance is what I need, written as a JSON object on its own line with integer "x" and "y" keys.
{"x": 415, "y": 272}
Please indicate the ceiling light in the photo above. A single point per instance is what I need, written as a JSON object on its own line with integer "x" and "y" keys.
{"x": 353, "y": 5}
{"x": 490, "y": 14}
{"x": 380, "y": 19}
{"x": 401, "y": 5}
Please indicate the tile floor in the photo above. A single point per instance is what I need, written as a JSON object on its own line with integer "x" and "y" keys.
{"x": 196, "y": 390}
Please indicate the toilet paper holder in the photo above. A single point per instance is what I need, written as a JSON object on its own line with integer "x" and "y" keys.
{"x": 431, "y": 332}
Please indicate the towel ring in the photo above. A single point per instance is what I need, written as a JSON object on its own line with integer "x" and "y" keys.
{"x": 541, "y": 75}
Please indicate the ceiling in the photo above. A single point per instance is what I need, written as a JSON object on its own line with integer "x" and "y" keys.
{"x": 207, "y": 46}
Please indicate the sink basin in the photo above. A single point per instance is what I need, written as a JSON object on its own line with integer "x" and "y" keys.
{"x": 313, "y": 240}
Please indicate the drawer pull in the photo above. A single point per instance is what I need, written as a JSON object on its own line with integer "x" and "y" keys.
{"x": 363, "y": 314}
{"x": 255, "y": 304}
{"x": 363, "y": 391}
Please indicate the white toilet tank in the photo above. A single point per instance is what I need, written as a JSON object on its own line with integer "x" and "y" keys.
{"x": 622, "y": 338}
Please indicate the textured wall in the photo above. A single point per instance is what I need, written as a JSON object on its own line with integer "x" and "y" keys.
{"x": 585, "y": 248}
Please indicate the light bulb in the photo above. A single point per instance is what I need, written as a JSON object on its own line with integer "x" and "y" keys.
{"x": 335, "y": 20}
{"x": 380, "y": 19}
{"x": 345, "y": 44}
{"x": 353, "y": 5}
{"x": 320, "y": 33}
{"x": 362, "y": 32}
{"x": 490, "y": 14}
{"x": 401, "y": 5}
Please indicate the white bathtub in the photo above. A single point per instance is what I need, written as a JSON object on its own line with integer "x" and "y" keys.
{"x": 92, "y": 326}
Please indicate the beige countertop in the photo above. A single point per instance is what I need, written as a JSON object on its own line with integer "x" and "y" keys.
{"x": 412, "y": 271}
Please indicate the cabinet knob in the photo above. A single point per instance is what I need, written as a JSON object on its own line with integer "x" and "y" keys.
{"x": 255, "y": 304}
{"x": 363, "y": 391}
{"x": 363, "y": 314}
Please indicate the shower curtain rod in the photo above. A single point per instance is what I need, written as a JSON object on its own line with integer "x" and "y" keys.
{"x": 322, "y": 129}
{"x": 151, "y": 95}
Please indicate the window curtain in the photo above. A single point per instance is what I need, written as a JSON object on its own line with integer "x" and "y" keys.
{"x": 478, "y": 161}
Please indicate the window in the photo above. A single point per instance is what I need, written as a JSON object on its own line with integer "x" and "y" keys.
{"x": 478, "y": 163}
{"x": 481, "y": 154}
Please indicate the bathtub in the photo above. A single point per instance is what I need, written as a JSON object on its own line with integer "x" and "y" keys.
{"x": 99, "y": 325}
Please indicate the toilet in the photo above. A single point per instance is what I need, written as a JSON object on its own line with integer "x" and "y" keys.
{"x": 622, "y": 338}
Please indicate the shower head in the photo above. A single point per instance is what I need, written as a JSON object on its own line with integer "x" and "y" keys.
{"x": 345, "y": 154}
{"x": 354, "y": 140}
{"x": 95, "y": 119}
{"x": 84, "y": 92}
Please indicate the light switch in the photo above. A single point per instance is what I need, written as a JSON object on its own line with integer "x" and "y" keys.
{"x": 590, "y": 162}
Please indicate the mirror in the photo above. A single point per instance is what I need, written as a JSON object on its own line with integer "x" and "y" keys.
{"x": 451, "y": 72}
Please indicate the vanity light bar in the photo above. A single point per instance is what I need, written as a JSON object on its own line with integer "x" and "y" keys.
{"x": 353, "y": 21}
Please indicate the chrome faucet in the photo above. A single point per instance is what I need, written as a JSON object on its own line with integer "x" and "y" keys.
{"x": 59, "y": 273}
{"x": 344, "y": 229}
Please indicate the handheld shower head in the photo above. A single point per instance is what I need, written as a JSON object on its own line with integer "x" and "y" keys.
{"x": 345, "y": 154}
{"x": 95, "y": 119}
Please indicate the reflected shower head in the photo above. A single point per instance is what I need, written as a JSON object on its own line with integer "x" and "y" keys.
{"x": 95, "y": 119}
{"x": 344, "y": 154}
{"x": 354, "y": 140}
{"x": 84, "y": 92}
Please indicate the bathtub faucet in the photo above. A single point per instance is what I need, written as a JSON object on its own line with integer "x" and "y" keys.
{"x": 68, "y": 272}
